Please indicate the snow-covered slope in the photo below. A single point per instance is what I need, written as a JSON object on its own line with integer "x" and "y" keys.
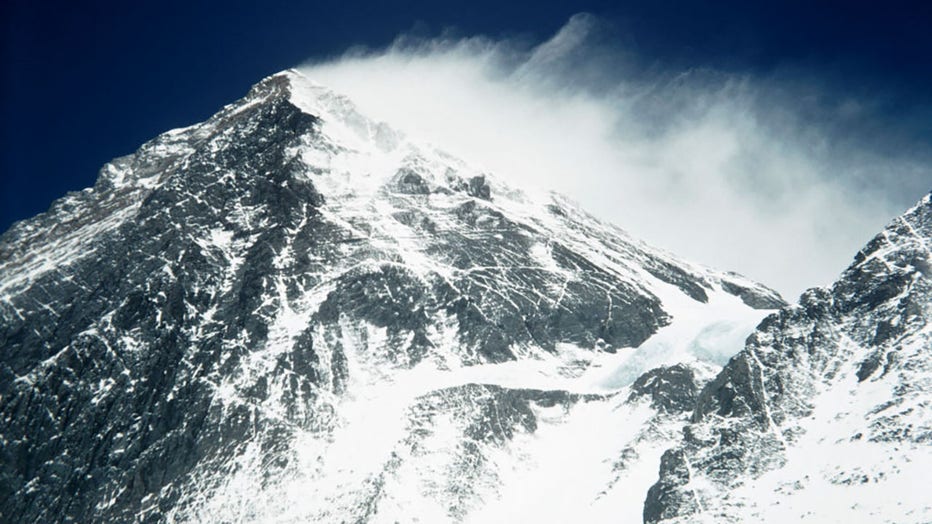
{"x": 291, "y": 313}
{"x": 827, "y": 414}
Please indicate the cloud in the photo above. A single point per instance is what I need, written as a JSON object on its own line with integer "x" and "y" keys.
{"x": 761, "y": 175}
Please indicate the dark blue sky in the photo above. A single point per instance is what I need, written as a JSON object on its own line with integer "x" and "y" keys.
{"x": 84, "y": 84}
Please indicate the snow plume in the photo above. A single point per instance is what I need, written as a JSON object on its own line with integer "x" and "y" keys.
{"x": 750, "y": 173}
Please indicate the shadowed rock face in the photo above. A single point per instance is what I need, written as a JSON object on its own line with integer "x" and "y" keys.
{"x": 219, "y": 291}
{"x": 867, "y": 337}
{"x": 670, "y": 389}
{"x": 111, "y": 358}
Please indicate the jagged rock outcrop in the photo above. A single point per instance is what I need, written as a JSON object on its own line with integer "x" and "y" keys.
{"x": 827, "y": 413}
{"x": 670, "y": 389}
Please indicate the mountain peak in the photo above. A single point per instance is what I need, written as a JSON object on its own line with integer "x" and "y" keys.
{"x": 293, "y": 297}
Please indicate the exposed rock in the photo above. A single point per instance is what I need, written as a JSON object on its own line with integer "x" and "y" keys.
{"x": 789, "y": 413}
{"x": 671, "y": 389}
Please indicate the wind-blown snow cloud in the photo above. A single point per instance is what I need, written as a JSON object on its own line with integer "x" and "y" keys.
{"x": 741, "y": 173}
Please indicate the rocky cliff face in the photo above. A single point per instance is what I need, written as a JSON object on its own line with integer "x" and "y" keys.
{"x": 291, "y": 313}
{"x": 827, "y": 413}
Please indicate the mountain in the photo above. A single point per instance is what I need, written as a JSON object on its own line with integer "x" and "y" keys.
{"x": 826, "y": 415}
{"x": 293, "y": 313}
